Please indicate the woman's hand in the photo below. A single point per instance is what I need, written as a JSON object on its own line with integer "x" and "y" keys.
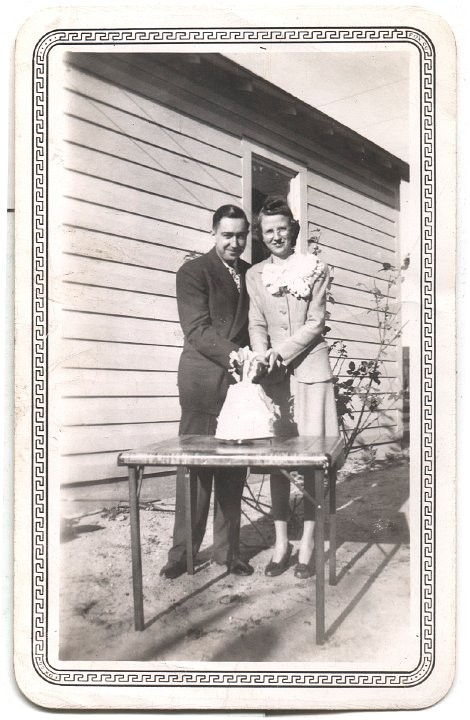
{"x": 272, "y": 358}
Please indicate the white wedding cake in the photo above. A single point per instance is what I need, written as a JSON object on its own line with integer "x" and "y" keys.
{"x": 247, "y": 413}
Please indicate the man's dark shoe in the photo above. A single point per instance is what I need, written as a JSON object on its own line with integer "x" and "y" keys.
{"x": 240, "y": 567}
{"x": 172, "y": 570}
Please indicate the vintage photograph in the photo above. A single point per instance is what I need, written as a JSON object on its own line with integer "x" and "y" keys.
{"x": 233, "y": 268}
{"x": 213, "y": 221}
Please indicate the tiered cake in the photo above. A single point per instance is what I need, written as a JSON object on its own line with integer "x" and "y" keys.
{"x": 247, "y": 413}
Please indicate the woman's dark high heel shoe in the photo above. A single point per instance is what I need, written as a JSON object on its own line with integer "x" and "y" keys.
{"x": 273, "y": 569}
{"x": 305, "y": 570}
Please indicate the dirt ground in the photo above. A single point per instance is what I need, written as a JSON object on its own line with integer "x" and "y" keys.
{"x": 214, "y": 616}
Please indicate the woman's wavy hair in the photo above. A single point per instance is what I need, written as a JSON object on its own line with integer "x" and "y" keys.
{"x": 279, "y": 206}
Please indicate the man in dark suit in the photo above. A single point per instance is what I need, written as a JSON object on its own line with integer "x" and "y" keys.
{"x": 213, "y": 311}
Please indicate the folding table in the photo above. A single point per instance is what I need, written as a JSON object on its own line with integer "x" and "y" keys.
{"x": 291, "y": 455}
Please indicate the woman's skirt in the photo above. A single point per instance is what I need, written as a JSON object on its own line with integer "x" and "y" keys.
{"x": 304, "y": 408}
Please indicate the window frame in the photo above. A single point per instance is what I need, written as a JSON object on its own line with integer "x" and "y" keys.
{"x": 298, "y": 193}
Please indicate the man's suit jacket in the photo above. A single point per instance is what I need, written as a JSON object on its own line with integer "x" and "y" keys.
{"x": 292, "y": 326}
{"x": 214, "y": 319}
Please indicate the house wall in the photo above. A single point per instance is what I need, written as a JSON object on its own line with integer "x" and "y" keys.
{"x": 140, "y": 183}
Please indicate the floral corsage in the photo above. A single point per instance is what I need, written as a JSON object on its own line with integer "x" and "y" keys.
{"x": 296, "y": 275}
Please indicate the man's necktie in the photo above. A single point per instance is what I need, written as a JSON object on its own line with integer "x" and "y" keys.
{"x": 235, "y": 276}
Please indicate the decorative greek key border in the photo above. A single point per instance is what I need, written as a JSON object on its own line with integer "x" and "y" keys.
{"x": 207, "y": 678}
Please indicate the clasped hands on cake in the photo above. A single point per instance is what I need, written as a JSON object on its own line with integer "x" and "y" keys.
{"x": 247, "y": 365}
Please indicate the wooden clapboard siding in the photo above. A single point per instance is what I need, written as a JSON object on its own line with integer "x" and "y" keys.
{"x": 127, "y": 250}
{"x": 146, "y": 155}
{"x": 355, "y": 332}
{"x": 110, "y": 438}
{"x": 99, "y": 383}
{"x": 356, "y": 234}
{"x": 348, "y": 193}
{"x": 349, "y": 244}
{"x": 175, "y": 89}
{"x": 366, "y": 236}
{"x": 118, "y": 356}
{"x": 141, "y": 182}
{"x": 122, "y": 97}
{"x": 386, "y": 419}
{"x": 357, "y": 296}
{"x": 378, "y": 436}
{"x": 96, "y": 191}
{"x": 388, "y": 383}
{"x": 113, "y": 301}
{"x": 93, "y": 163}
{"x": 92, "y": 271}
{"x": 343, "y": 312}
{"x": 94, "y": 326}
{"x": 370, "y": 270}
{"x": 94, "y": 111}
{"x": 354, "y": 279}
{"x": 120, "y": 411}
{"x": 350, "y": 211}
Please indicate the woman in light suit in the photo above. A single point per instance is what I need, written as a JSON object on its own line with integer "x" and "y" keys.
{"x": 286, "y": 323}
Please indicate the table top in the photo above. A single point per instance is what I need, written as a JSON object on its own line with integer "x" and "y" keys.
{"x": 195, "y": 450}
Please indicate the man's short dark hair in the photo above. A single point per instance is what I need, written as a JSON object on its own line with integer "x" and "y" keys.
{"x": 228, "y": 211}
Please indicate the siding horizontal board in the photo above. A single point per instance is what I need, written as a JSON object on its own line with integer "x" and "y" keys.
{"x": 362, "y": 350}
{"x": 378, "y": 436}
{"x": 113, "y": 169}
{"x": 349, "y": 313}
{"x": 117, "y": 356}
{"x": 116, "y": 275}
{"x": 354, "y": 246}
{"x": 352, "y": 212}
{"x": 337, "y": 223}
{"x": 351, "y": 194}
{"x": 126, "y": 100}
{"x": 356, "y": 296}
{"x": 96, "y": 191}
{"x": 387, "y": 413}
{"x": 110, "y": 383}
{"x": 112, "y": 438}
{"x": 88, "y": 326}
{"x": 353, "y": 280}
{"x": 84, "y": 134}
{"x": 114, "y": 302}
{"x": 358, "y": 266}
{"x": 148, "y": 251}
{"x": 348, "y": 331}
{"x": 120, "y": 411}
{"x": 132, "y": 126}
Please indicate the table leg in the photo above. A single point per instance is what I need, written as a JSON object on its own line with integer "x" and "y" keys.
{"x": 332, "y": 553}
{"x": 319, "y": 538}
{"x": 189, "y": 510}
{"x": 136, "y": 550}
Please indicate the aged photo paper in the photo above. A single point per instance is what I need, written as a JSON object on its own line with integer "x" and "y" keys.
{"x": 132, "y": 130}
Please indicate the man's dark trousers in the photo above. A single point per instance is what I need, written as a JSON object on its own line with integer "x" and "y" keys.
{"x": 228, "y": 488}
